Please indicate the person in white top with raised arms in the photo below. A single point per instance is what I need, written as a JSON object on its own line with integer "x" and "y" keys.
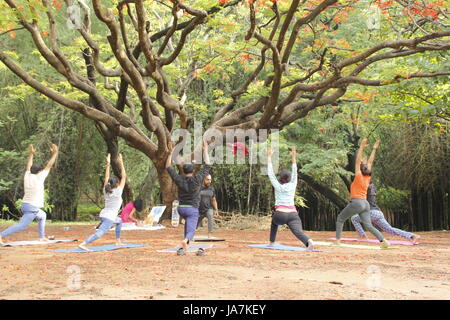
{"x": 112, "y": 191}
{"x": 33, "y": 199}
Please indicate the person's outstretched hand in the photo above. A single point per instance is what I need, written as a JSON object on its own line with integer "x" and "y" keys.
{"x": 377, "y": 144}
{"x": 294, "y": 154}
{"x": 363, "y": 143}
{"x": 205, "y": 146}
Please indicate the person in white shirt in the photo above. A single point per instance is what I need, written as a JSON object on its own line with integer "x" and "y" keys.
{"x": 112, "y": 191}
{"x": 33, "y": 199}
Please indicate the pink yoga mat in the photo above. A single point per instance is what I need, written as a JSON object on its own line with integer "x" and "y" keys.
{"x": 402, "y": 242}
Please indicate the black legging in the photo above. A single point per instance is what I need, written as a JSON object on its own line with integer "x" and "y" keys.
{"x": 294, "y": 223}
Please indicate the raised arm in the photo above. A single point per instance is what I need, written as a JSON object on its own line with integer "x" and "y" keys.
{"x": 108, "y": 164}
{"x": 51, "y": 162}
{"x": 270, "y": 172}
{"x": 173, "y": 174}
{"x": 123, "y": 174}
{"x": 169, "y": 158}
{"x": 205, "y": 152}
{"x": 359, "y": 156}
{"x": 30, "y": 157}
{"x": 372, "y": 155}
{"x": 294, "y": 165}
{"x": 206, "y": 168}
{"x": 131, "y": 216}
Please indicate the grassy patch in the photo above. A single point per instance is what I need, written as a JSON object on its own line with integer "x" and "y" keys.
{"x": 87, "y": 213}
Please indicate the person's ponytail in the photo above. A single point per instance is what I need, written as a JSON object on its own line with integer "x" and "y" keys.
{"x": 112, "y": 183}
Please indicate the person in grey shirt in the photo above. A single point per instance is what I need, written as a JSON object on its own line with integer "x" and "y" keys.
{"x": 208, "y": 204}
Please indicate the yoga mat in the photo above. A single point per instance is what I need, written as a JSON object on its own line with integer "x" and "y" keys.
{"x": 280, "y": 247}
{"x": 132, "y": 226}
{"x": 356, "y": 246}
{"x": 402, "y": 242}
{"x": 106, "y": 247}
{"x": 191, "y": 248}
{"x": 204, "y": 238}
{"x": 34, "y": 242}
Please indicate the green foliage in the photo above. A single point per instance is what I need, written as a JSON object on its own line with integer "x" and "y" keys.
{"x": 392, "y": 199}
{"x": 87, "y": 212}
{"x": 10, "y": 162}
{"x": 321, "y": 144}
{"x": 300, "y": 201}
{"x": 5, "y": 208}
{"x": 48, "y": 207}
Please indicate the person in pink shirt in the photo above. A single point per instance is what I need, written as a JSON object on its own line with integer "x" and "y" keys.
{"x": 130, "y": 209}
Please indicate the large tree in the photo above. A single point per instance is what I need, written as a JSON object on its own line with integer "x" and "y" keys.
{"x": 139, "y": 57}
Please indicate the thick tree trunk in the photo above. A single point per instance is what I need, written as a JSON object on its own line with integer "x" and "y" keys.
{"x": 168, "y": 189}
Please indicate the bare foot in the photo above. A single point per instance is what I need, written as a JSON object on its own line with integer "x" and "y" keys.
{"x": 310, "y": 245}
{"x": 184, "y": 244}
{"x": 83, "y": 247}
{"x": 119, "y": 243}
{"x": 415, "y": 239}
{"x": 1, "y": 242}
{"x": 385, "y": 244}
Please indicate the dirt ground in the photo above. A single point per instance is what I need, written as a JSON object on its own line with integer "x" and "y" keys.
{"x": 231, "y": 270}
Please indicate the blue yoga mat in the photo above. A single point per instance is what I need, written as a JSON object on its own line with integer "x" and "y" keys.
{"x": 279, "y": 247}
{"x": 105, "y": 247}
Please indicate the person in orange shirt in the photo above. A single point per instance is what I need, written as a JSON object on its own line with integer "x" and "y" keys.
{"x": 358, "y": 195}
